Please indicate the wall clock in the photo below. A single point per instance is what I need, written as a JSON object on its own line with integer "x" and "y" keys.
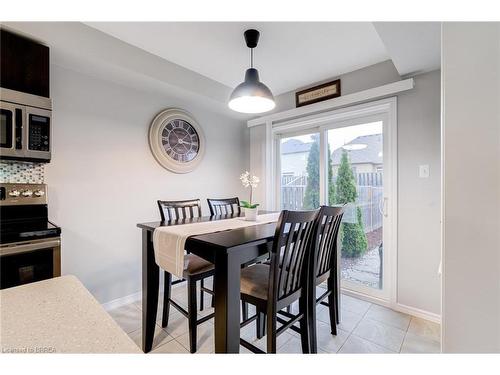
{"x": 177, "y": 140}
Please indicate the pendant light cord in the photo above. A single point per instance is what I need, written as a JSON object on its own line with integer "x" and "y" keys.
{"x": 251, "y": 57}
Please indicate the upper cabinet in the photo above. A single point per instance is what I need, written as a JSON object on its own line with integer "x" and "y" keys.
{"x": 24, "y": 64}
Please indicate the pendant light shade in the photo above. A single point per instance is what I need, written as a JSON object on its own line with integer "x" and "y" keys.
{"x": 251, "y": 96}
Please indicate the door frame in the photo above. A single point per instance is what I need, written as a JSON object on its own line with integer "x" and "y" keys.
{"x": 383, "y": 109}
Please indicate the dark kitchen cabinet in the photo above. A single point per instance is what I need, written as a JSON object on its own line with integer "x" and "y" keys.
{"x": 24, "y": 64}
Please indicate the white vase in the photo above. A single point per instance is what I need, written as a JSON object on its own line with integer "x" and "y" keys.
{"x": 251, "y": 214}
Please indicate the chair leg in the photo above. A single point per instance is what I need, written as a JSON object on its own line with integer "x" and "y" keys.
{"x": 304, "y": 325}
{"x": 192, "y": 314}
{"x": 289, "y": 309}
{"x": 336, "y": 295}
{"x": 244, "y": 310}
{"x": 261, "y": 325}
{"x": 271, "y": 333}
{"x": 332, "y": 306}
{"x": 213, "y": 297}
{"x": 167, "y": 290}
{"x": 202, "y": 285}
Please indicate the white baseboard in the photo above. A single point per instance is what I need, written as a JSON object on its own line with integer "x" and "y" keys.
{"x": 134, "y": 297}
{"x": 413, "y": 311}
{"x": 433, "y": 317}
{"x": 111, "y": 305}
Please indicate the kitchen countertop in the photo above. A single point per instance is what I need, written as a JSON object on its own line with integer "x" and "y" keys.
{"x": 58, "y": 315}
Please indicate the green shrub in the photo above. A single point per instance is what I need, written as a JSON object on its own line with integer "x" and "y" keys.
{"x": 354, "y": 243}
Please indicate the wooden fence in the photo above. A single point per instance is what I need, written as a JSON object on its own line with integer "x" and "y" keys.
{"x": 370, "y": 198}
{"x": 293, "y": 189}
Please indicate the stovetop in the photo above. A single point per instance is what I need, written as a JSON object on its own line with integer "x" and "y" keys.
{"x": 24, "y": 231}
{"x": 24, "y": 213}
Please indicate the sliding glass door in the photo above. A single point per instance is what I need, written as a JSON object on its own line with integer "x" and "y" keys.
{"x": 356, "y": 169}
{"x": 347, "y": 162}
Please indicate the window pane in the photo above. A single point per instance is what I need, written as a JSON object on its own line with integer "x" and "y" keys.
{"x": 299, "y": 159}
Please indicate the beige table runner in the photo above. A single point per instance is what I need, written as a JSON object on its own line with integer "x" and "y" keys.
{"x": 168, "y": 242}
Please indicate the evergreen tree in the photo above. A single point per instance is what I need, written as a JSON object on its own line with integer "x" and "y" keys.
{"x": 331, "y": 184}
{"x": 311, "y": 195}
{"x": 346, "y": 183}
{"x": 354, "y": 242}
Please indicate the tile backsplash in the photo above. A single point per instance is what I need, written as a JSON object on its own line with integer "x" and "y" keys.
{"x": 21, "y": 172}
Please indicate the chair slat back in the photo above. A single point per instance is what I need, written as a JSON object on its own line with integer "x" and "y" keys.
{"x": 290, "y": 253}
{"x": 325, "y": 239}
{"x": 226, "y": 206}
{"x": 179, "y": 210}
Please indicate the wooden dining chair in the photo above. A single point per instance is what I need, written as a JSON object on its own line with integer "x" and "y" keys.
{"x": 272, "y": 287}
{"x": 198, "y": 269}
{"x": 324, "y": 267}
{"x": 229, "y": 206}
{"x": 225, "y": 206}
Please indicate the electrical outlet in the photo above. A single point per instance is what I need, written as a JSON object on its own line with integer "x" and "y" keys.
{"x": 423, "y": 171}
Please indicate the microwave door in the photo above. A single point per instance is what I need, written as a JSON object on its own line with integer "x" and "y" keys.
{"x": 11, "y": 131}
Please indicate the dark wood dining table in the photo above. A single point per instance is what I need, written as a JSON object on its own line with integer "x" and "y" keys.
{"x": 228, "y": 250}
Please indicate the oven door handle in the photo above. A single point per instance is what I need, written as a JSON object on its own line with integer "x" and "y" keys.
{"x": 29, "y": 246}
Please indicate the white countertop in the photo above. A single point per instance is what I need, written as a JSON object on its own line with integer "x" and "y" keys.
{"x": 58, "y": 316}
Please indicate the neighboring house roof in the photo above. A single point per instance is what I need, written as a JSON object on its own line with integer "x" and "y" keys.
{"x": 293, "y": 146}
{"x": 370, "y": 154}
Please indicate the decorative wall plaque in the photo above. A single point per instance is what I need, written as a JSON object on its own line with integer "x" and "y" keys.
{"x": 318, "y": 93}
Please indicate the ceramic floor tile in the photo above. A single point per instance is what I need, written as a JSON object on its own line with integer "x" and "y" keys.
{"x": 177, "y": 325}
{"x": 354, "y": 305}
{"x": 380, "y": 334}
{"x": 244, "y": 350}
{"x": 348, "y": 320}
{"x": 419, "y": 344}
{"x": 390, "y": 317}
{"x": 282, "y": 340}
{"x": 356, "y": 344}
{"x": 128, "y": 317}
{"x": 248, "y": 333}
{"x": 171, "y": 347}
{"x": 161, "y": 337}
{"x": 293, "y": 346}
{"x": 205, "y": 338}
{"x": 328, "y": 342}
{"x": 425, "y": 328}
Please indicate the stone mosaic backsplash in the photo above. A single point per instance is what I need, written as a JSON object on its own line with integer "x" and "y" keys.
{"x": 21, "y": 172}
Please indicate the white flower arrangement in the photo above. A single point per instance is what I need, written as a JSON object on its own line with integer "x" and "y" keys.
{"x": 252, "y": 182}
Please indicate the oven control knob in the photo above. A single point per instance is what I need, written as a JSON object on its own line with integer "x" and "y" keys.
{"x": 27, "y": 193}
{"x": 14, "y": 193}
{"x": 39, "y": 193}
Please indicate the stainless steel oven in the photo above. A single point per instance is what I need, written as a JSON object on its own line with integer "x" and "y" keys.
{"x": 30, "y": 244}
{"x": 29, "y": 261}
{"x": 25, "y": 126}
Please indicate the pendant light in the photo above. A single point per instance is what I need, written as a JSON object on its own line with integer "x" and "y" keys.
{"x": 251, "y": 96}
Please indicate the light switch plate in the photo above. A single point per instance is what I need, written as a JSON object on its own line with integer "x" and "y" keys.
{"x": 423, "y": 171}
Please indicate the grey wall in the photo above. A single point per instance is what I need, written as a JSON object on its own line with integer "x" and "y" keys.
{"x": 358, "y": 80}
{"x": 418, "y": 199}
{"x": 103, "y": 178}
{"x": 471, "y": 187}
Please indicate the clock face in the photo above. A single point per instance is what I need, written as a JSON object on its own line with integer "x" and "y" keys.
{"x": 180, "y": 140}
{"x": 177, "y": 140}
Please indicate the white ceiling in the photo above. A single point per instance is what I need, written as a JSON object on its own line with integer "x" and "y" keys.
{"x": 414, "y": 47}
{"x": 289, "y": 55}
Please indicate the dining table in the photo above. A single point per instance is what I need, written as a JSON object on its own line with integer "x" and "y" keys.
{"x": 228, "y": 250}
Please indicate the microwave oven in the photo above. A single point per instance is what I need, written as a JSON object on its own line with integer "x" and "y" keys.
{"x": 25, "y": 126}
